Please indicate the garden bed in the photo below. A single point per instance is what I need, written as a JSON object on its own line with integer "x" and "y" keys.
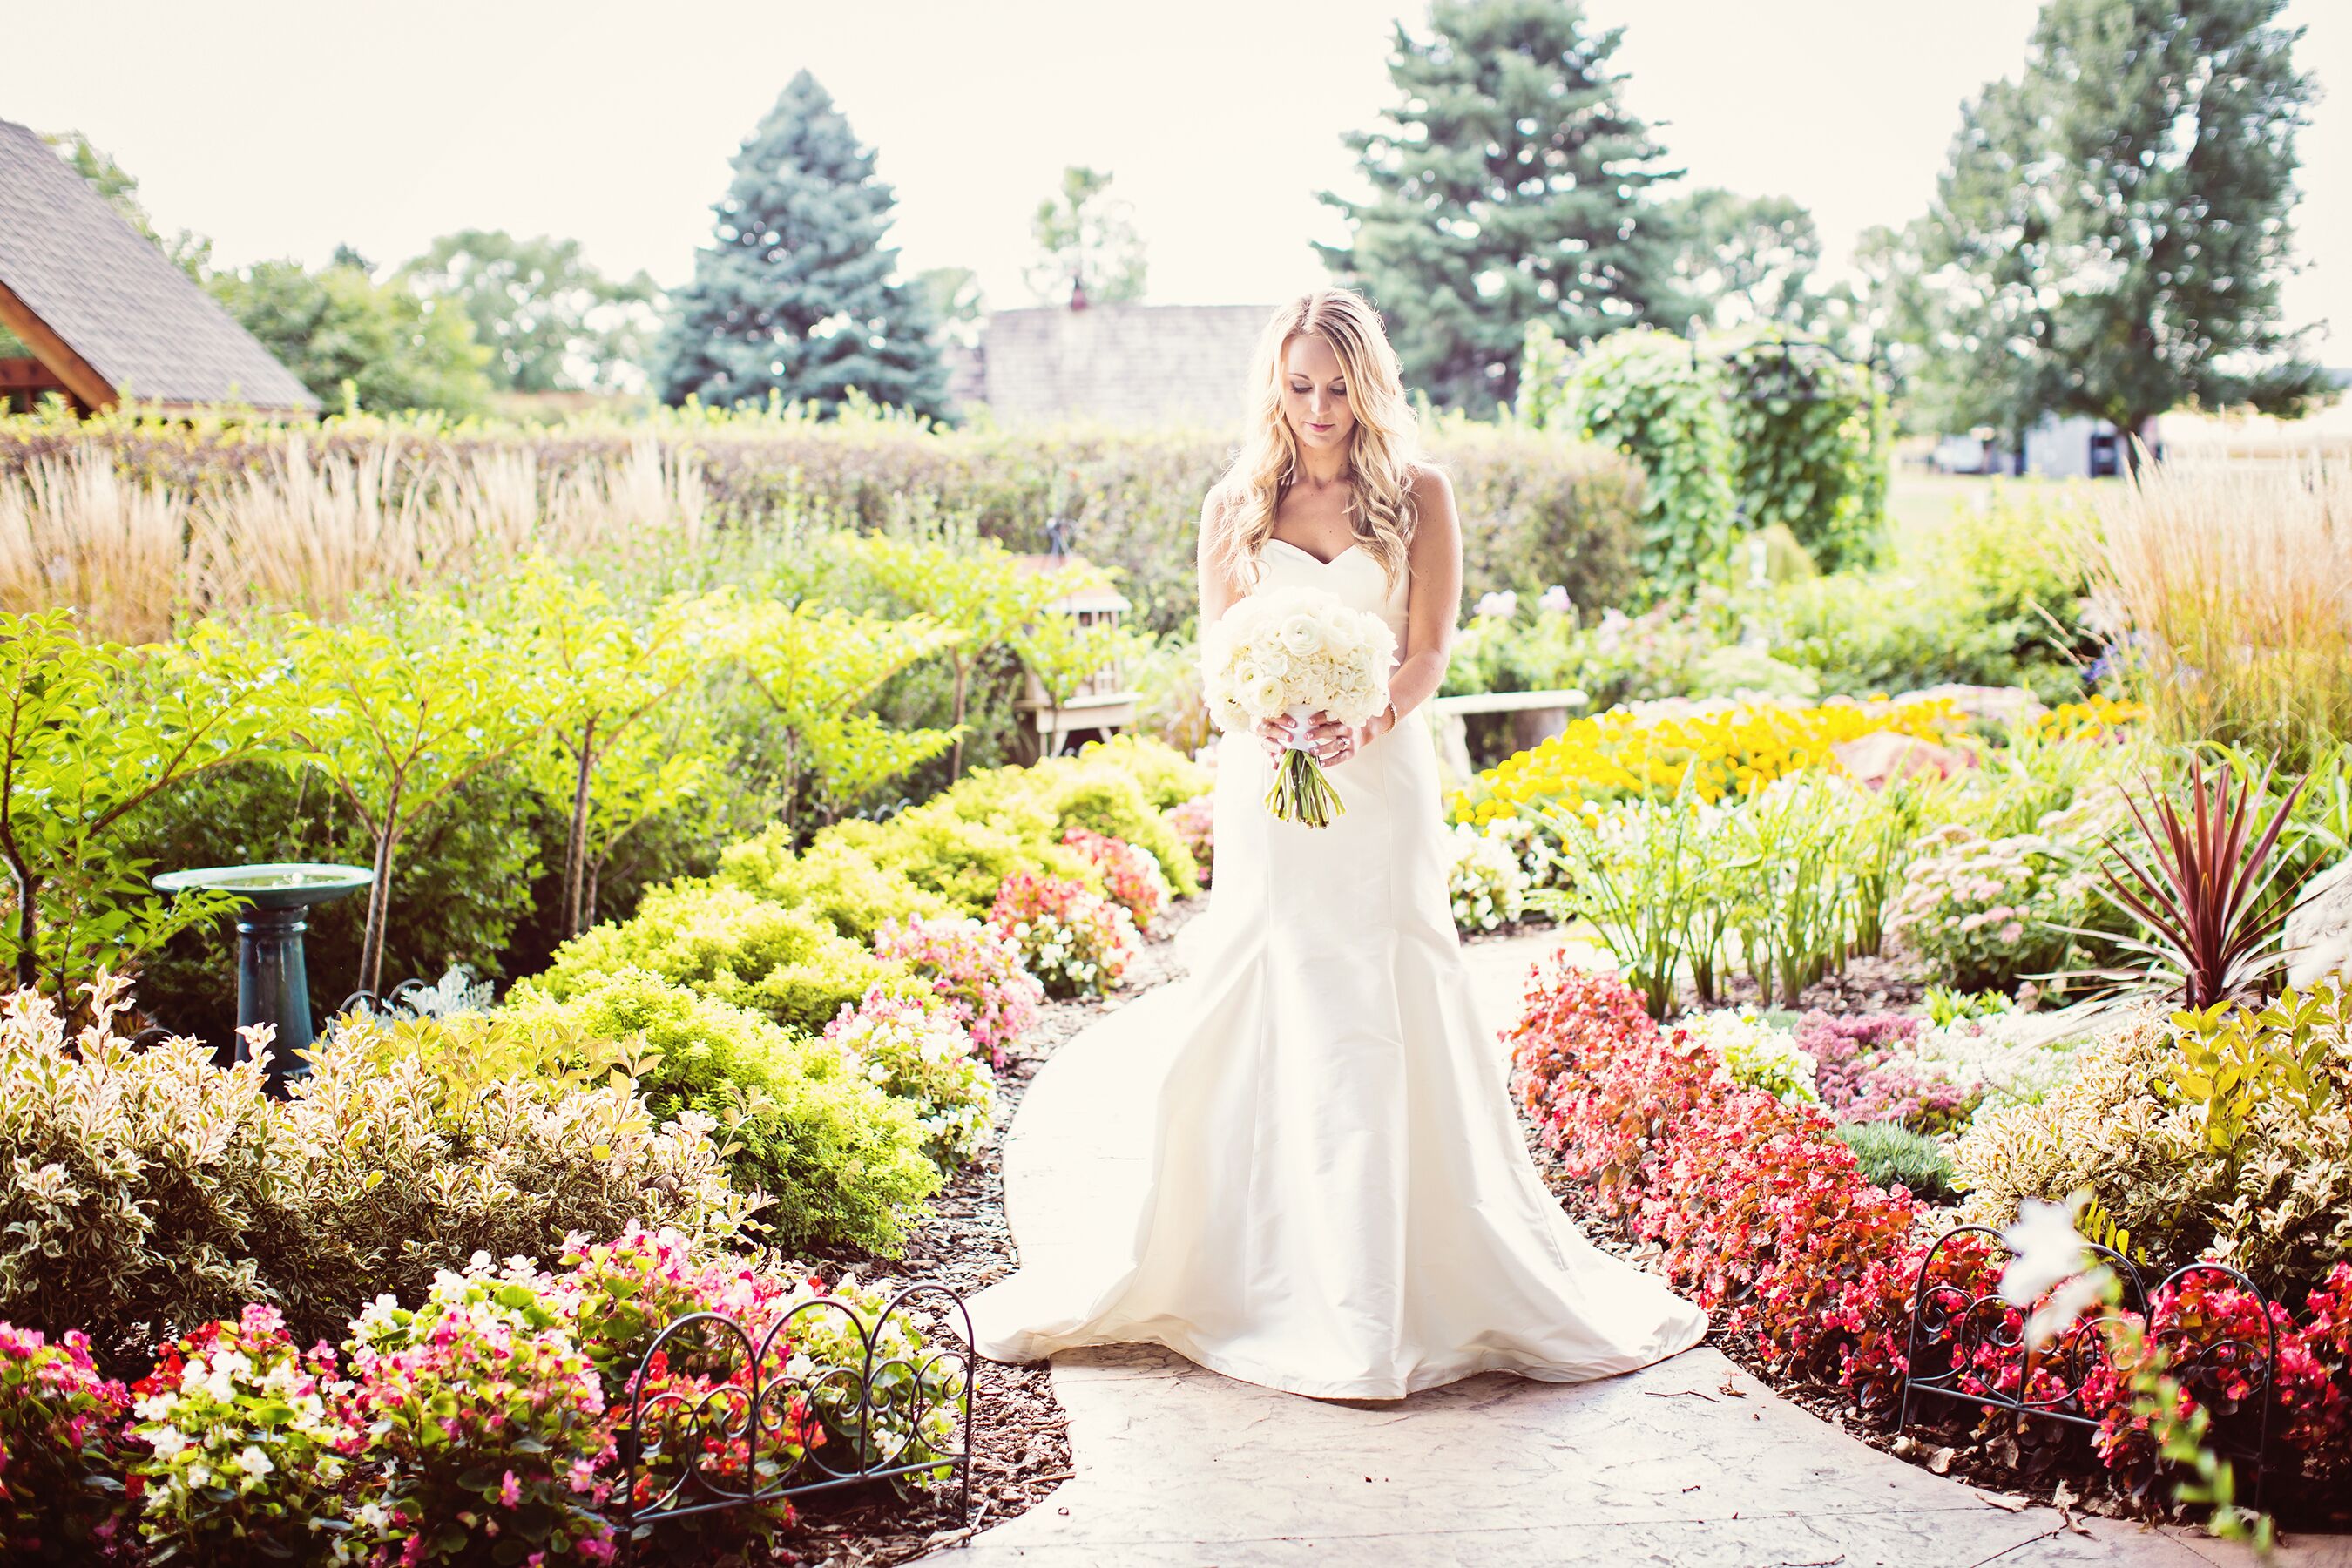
{"x": 1747, "y": 1202}
{"x": 1022, "y": 1434}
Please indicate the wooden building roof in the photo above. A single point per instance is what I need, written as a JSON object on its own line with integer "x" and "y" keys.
{"x": 107, "y": 313}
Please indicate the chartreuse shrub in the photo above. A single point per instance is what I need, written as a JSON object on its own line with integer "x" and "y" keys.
{"x": 732, "y": 946}
{"x": 841, "y": 1159}
{"x": 148, "y": 1191}
{"x": 1095, "y": 792}
{"x": 833, "y": 879}
{"x": 1167, "y": 777}
{"x": 963, "y": 861}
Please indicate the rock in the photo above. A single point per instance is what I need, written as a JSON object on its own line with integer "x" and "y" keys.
{"x": 1884, "y": 755}
{"x": 2004, "y": 705}
{"x": 2319, "y": 929}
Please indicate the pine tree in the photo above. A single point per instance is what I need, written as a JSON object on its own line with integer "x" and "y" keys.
{"x": 2110, "y": 234}
{"x": 798, "y": 295}
{"x": 1511, "y": 188}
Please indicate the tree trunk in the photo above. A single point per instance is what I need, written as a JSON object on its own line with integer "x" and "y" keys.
{"x": 955, "y": 757}
{"x": 29, "y": 928}
{"x": 379, "y": 898}
{"x": 575, "y": 845}
{"x": 595, "y": 875}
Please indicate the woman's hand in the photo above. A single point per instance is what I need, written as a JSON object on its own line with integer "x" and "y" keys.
{"x": 1323, "y": 734}
{"x": 1330, "y": 741}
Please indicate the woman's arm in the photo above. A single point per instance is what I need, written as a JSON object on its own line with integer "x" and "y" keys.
{"x": 1432, "y": 601}
{"x": 1218, "y": 591}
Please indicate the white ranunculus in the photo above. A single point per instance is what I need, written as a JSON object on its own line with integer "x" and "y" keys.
{"x": 1303, "y": 635}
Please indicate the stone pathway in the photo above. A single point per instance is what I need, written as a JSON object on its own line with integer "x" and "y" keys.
{"x": 1689, "y": 1462}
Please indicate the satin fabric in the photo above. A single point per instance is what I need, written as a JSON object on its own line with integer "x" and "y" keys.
{"x": 1337, "y": 1201}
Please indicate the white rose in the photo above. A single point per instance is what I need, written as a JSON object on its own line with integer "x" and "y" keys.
{"x": 1263, "y": 696}
{"x": 1303, "y": 636}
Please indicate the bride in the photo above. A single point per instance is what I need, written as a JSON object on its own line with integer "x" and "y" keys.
{"x": 1339, "y": 1202}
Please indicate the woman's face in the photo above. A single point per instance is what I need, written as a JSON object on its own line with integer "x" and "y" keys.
{"x": 1314, "y": 394}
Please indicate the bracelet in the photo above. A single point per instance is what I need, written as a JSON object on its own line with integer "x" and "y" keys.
{"x": 1392, "y": 716}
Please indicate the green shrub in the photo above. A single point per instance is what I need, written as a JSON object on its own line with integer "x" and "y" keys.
{"x": 1167, "y": 777}
{"x": 1646, "y": 393}
{"x": 1810, "y": 431}
{"x": 732, "y": 946}
{"x": 833, "y": 880}
{"x": 842, "y": 1161}
{"x": 1890, "y": 1152}
{"x": 144, "y": 1193}
{"x": 963, "y": 861}
{"x": 1095, "y": 792}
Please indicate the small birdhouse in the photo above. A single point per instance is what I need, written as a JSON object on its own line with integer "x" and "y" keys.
{"x": 1100, "y": 703}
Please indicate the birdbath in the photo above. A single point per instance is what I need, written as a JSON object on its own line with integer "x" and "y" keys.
{"x": 273, "y": 984}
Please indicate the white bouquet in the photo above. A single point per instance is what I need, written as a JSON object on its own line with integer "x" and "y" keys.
{"x": 1288, "y": 654}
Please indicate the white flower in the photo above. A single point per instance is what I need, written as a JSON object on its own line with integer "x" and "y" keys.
{"x": 253, "y": 1462}
{"x": 167, "y": 1441}
{"x": 1302, "y": 636}
{"x": 1263, "y": 696}
{"x": 2049, "y": 1259}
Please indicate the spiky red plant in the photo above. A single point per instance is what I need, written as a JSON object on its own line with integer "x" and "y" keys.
{"x": 2200, "y": 888}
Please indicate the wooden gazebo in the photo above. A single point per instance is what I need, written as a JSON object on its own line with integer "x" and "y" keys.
{"x": 107, "y": 316}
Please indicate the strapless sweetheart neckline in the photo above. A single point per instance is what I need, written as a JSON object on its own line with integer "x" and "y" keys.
{"x": 1311, "y": 554}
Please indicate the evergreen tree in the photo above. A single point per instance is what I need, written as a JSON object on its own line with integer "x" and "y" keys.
{"x": 798, "y": 295}
{"x": 1511, "y": 188}
{"x": 2110, "y": 234}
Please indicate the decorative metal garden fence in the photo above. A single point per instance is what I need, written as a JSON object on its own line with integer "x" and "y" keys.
{"x": 720, "y": 1418}
{"x": 1964, "y": 1347}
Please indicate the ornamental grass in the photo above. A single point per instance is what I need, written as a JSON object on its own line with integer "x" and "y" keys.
{"x": 2233, "y": 581}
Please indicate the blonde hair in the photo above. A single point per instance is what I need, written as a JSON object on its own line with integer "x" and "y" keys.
{"x": 1381, "y": 449}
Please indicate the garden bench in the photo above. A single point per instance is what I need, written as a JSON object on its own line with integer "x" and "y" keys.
{"x": 1536, "y": 717}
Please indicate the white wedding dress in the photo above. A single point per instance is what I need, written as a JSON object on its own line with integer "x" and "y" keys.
{"x": 1337, "y": 1202}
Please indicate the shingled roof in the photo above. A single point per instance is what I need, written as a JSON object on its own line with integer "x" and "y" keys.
{"x": 1124, "y": 364}
{"x": 107, "y": 312}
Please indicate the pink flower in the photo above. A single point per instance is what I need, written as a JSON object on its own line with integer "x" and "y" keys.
{"x": 510, "y": 1490}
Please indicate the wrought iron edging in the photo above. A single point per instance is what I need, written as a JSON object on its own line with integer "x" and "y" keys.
{"x": 778, "y": 1398}
{"x": 1950, "y": 1324}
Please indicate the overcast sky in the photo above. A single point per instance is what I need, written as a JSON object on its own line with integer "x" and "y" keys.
{"x": 282, "y": 129}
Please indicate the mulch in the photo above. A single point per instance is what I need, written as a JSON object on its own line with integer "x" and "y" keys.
{"x": 1022, "y": 1435}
